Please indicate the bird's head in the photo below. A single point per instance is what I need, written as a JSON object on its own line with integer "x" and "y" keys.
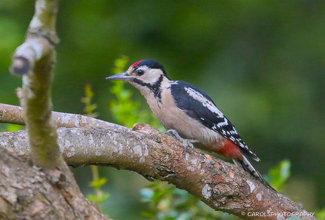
{"x": 144, "y": 73}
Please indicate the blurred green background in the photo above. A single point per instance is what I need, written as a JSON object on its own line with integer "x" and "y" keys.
{"x": 262, "y": 62}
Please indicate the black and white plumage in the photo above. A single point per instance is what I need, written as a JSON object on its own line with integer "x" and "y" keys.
{"x": 189, "y": 111}
{"x": 198, "y": 105}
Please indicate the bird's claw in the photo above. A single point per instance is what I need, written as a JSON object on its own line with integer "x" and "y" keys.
{"x": 186, "y": 142}
{"x": 174, "y": 134}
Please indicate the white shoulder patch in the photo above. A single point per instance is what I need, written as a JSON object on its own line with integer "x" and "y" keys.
{"x": 206, "y": 103}
{"x": 171, "y": 83}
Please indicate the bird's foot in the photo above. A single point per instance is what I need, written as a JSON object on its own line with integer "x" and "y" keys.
{"x": 186, "y": 142}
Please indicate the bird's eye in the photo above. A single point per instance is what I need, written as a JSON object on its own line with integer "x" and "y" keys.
{"x": 140, "y": 72}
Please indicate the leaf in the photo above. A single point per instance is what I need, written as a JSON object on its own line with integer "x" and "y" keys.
{"x": 12, "y": 127}
{"x": 97, "y": 184}
{"x": 89, "y": 108}
{"x": 88, "y": 91}
{"x": 98, "y": 199}
{"x": 280, "y": 174}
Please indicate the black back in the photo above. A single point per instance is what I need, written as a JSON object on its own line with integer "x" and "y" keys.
{"x": 198, "y": 111}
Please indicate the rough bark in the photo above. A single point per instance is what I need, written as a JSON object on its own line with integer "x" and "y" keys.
{"x": 154, "y": 155}
{"x": 29, "y": 192}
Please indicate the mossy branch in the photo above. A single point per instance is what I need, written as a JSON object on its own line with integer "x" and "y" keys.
{"x": 34, "y": 60}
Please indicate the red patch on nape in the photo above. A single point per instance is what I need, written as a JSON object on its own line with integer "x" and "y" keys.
{"x": 230, "y": 150}
{"x": 137, "y": 63}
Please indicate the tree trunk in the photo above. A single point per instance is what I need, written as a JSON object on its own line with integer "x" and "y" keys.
{"x": 29, "y": 192}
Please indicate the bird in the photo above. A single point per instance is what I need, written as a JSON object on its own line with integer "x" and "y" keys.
{"x": 189, "y": 114}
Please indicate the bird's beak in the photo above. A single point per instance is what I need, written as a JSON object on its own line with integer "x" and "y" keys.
{"x": 121, "y": 76}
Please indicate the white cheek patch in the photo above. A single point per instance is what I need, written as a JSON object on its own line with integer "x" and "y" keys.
{"x": 205, "y": 102}
{"x": 151, "y": 76}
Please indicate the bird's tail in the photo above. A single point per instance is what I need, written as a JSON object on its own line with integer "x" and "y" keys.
{"x": 249, "y": 167}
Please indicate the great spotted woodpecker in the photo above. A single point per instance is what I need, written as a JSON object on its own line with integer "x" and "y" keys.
{"x": 189, "y": 113}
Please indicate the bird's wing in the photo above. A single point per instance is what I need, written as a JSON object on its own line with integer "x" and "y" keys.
{"x": 199, "y": 106}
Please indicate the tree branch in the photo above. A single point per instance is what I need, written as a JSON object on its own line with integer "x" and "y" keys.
{"x": 27, "y": 192}
{"x": 11, "y": 114}
{"x": 34, "y": 60}
{"x": 154, "y": 155}
{"x": 14, "y": 115}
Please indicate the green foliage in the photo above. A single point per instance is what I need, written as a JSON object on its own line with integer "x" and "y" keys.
{"x": 125, "y": 110}
{"x": 166, "y": 202}
{"x": 97, "y": 182}
{"x": 98, "y": 198}
{"x": 279, "y": 175}
{"x": 320, "y": 215}
{"x": 12, "y": 127}
{"x": 89, "y": 107}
